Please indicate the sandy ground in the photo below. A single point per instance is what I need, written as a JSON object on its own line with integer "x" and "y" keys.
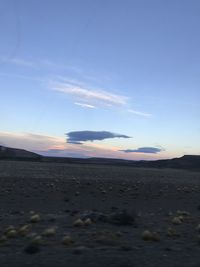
{"x": 59, "y": 194}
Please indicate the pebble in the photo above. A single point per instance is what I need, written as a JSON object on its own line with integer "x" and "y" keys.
{"x": 87, "y": 222}
{"x": 150, "y": 236}
{"x": 176, "y": 220}
{"x": 11, "y": 233}
{"x": 49, "y": 232}
{"x": 67, "y": 240}
{"x": 23, "y": 230}
{"x": 78, "y": 223}
{"x": 35, "y": 218}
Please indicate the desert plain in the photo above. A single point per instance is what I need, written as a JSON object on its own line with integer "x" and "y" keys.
{"x": 59, "y": 214}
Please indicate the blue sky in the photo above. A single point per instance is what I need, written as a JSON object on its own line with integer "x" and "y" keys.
{"x": 128, "y": 67}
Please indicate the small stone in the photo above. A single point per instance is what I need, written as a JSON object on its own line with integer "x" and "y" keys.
{"x": 121, "y": 218}
{"x": 67, "y": 240}
{"x": 49, "y": 232}
{"x": 23, "y": 230}
{"x": 88, "y": 221}
{"x": 147, "y": 235}
{"x": 35, "y": 218}
{"x": 176, "y": 220}
{"x": 37, "y": 240}
{"x": 78, "y": 223}
{"x": 172, "y": 232}
{"x": 11, "y": 233}
{"x": 183, "y": 213}
{"x": 31, "y": 212}
{"x": 9, "y": 228}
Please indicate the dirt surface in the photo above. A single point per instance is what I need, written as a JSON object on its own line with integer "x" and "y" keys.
{"x": 114, "y": 205}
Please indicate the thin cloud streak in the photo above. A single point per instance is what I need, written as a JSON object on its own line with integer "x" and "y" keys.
{"x": 100, "y": 96}
{"x": 77, "y": 89}
{"x": 84, "y": 105}
{"x": 96, "y": 98}
{"x": 139, "y": 113}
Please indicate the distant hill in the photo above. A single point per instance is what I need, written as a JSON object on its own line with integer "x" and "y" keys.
{"x": 15, "y": 153}
{"x": 187, "y": 162}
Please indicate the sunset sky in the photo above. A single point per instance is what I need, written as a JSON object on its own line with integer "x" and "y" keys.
{"x": 101, "y": 78}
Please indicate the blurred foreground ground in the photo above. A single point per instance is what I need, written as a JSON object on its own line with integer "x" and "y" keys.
{"x": 62, "y": 193}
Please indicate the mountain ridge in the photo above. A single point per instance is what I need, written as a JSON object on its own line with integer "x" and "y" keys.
{"x": 187, "y": 162}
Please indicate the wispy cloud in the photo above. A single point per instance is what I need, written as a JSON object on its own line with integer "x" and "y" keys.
{"x": 146, "y": 150}
{"x": 77, "y": 137}
{"x": 95, "y": 98}
{"x": 83, "y": 94}
{"x": 84, "y": 105}
{"x": 139, "y": 113}
{"x": 91, "y": 95}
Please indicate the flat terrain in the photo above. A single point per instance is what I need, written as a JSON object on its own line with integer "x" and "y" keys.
{"x": 115, "y": 204}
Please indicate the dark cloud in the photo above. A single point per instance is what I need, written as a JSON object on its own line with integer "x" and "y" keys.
{"x": 79, "y": 137}
{"x": 148, "y": 150}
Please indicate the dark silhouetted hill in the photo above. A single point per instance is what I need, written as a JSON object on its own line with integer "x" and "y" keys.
{"x": 18, "y": 154}
{"x": 187, "y": 162}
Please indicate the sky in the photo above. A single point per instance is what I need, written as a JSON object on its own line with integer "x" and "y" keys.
{"x": 91, "y": 78}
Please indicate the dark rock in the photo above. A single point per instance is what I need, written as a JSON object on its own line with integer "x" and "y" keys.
{"x": 121, "y": 218}
{"x": 118, "y": 217}
{"x": 95, "y": 216}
